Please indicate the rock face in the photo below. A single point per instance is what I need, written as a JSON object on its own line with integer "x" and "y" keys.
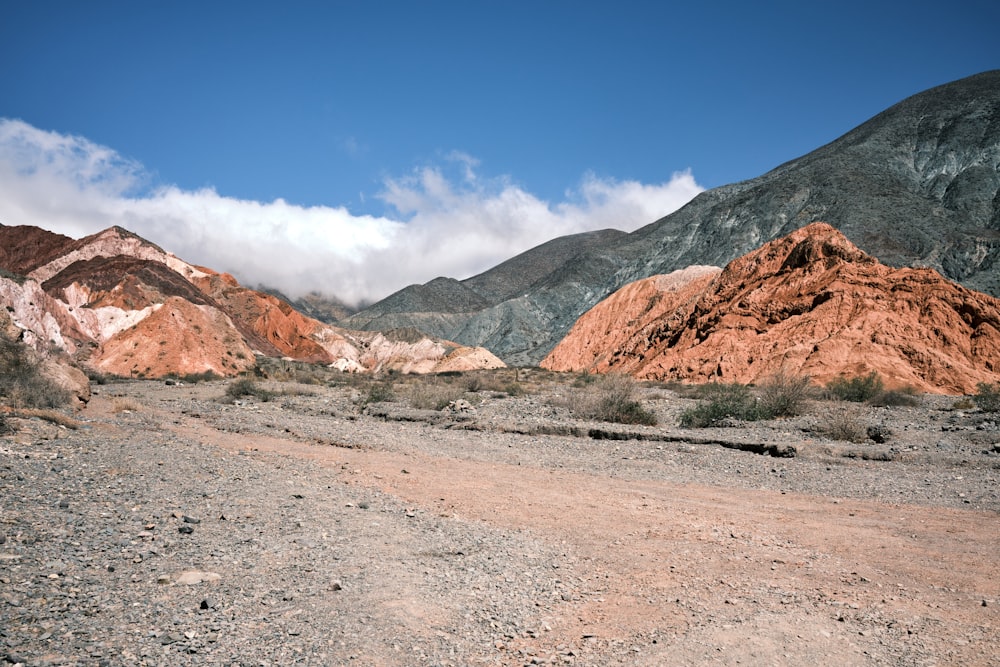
{"x": 125, "y": 306}
{"x": 917, "y": 185}
{"x": 808, "y": 303}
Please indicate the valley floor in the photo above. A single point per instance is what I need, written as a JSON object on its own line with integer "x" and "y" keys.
{"x": 174, "y": 529}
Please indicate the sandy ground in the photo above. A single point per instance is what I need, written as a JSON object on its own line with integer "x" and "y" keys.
{"x": 650, "y": 552}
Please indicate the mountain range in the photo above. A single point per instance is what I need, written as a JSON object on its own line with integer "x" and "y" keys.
{"x": 122, "y": 305}
{"x": 917, "y": 185}
{"x": 908, "y": 197}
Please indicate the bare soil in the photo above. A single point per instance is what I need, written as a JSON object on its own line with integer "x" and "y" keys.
{"x": 322, "y": 533}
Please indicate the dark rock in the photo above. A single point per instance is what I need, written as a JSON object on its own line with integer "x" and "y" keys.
{"x": 879, "y": 433}
{"x": 186, "y": 529}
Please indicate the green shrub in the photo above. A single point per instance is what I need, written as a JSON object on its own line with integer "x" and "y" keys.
{"x": 612, "y": 398}
{"x": 857, "y": 389}
{"x": 782, "y": 395}
{"x": 195, "y": 378}
{"x": 247, "y": 387}
{"x": 721, "y": 401}
{"x": 987, "y": 397}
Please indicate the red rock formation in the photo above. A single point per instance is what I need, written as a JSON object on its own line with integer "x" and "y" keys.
{"x": 127, "y": 307}
{"x": 176, "y": 337}
{"x": 809, "y": 303}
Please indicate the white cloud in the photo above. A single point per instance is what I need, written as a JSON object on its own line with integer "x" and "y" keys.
{"x": 453, "y": 226}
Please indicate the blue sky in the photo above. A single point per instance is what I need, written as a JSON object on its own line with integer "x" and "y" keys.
{"x": 369, "y": 145}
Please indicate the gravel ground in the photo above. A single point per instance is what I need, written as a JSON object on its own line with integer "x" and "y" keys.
{"x": 302, "y": 530}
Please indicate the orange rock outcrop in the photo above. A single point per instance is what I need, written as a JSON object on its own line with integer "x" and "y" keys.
{"x": 809, "y": 303}
{"x": 125, "y": 306}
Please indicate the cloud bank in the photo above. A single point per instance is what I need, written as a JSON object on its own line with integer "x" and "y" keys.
{"x": 446, "y": 219}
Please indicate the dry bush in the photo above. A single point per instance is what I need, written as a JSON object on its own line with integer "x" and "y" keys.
{"x": 782, "y": 395}
{"x": 22, "y": 382}
{"x": 504, "y": 382}
{"x": 437, "y": 394}
{"x": 124, "y": 404}
{"x": 987, "y": 397}
{"x": 847, "y": 424}
{"x": 610, "y": 398}
{"x": 247, "y": 387}
{"x": 858, "y": 389}
{"x": 720, "y": 401}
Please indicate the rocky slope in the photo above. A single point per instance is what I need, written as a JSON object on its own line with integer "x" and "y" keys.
{"x": 125, "y": 306}
{"x": 917, "y": 185}
{"x": 808, "y": 303}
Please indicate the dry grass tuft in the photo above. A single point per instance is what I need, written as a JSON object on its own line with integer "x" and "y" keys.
{"x": 125, "y": 404}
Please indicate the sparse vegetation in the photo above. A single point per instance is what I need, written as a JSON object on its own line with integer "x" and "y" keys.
{"x": 437, "y": 394}
{"x": 782, "y": 395}
{"x": 195, "y": 378}
{"x": 22, "y": 384}
{"x": 611, "y": 398}
{"x": 987, "y": 397}
{"x": 860, "y": 389}
{"x": 718, "y": 402}
{"x": 247, "y": 387}
{"x": 846, "y": 424}
{"x": 907, "y": 396}
{"x": 378, "y": 392}
{"x": 125, "y": 404}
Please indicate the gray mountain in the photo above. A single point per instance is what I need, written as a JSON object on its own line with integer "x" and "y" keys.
{"x": 445, "y": 305}
{"x": 917, "y": 185}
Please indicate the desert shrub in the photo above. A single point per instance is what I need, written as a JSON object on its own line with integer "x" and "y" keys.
{"x": 247, "y": 387}
{"x": 612, "y": 398}
{"x": 987, "y": 397}
{"x": 195, "y": 378}
{"x": 907, "y": 396}
{"x": 123, "y": 404}
{"x": 378, "y": 392}
{"x": 22, "y": 381}
{"x": 848, "y": 425}
{"x": 436, "y": 395}
{"x": 857, "y": 389}
{"x": 499, "y": 382}
{"x": 782, "y": 395}
{"x": 964, "y": 403}
{"x": 720, "y": 401}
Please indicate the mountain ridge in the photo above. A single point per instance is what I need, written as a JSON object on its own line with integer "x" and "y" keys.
{"x": 809, "y": 303}
{"x": 123, "y": 305}
{"x": 915, "y": 185}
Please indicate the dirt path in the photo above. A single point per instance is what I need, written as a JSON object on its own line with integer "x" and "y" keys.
{"x": 692, "y": 574}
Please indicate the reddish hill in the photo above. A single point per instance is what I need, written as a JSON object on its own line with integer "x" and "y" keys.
{"x": 810, "y": 303}
{"x": 128, "y": 307}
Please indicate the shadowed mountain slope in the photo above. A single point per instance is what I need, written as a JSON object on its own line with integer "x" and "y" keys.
{"x": 917, "y": 185}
